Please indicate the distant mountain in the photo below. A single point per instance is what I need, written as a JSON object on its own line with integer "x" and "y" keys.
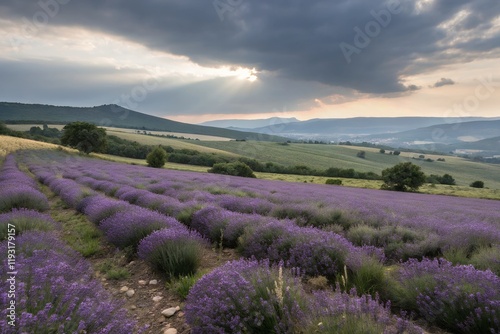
{"x": 115, "y": 116}
{"x": 342, "y": 129}
{"x": 443, "y": 133}
{"x": 489, "y": 146}
{"x": 249, "y": 123}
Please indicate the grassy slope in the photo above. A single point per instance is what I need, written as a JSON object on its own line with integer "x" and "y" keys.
{"x": 11, "y": 144}
{"x": 175, "y": 143}
{"x": 113, "y": 115}
{"x": 325, "y": 156}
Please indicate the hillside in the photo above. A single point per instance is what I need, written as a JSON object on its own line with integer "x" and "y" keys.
{"x": 335, "y": 129}
{"x": 249, "y": 124}
{"x": 443, "y": 133}
{"x": 321, "y": 157}
{"x": 114, "y": 116}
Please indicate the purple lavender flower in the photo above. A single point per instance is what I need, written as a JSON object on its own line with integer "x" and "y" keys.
{"x": 25, "y": 220}
{"x": 55, "y": 292}
{"x": 172, "y": 251}
{"x": 127, "y": 228}
{"x": 457, "y": 298}
{"x": 246, "y": 297}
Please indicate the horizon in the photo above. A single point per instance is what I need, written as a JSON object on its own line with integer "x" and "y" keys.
{"x": 196, "y": 62}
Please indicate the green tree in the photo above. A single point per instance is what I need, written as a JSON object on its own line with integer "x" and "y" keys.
{"x": 404, "y": 176}
{"x": 382, "y": 151}
{"x": 85, "y": 137}
{"x": 447, "y": 179}
{"x": 237, "y": 168}
{"x": 157, "y": 157}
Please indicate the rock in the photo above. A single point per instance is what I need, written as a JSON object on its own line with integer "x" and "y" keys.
{"x": 133, "y": 307}
{"x": 170, "y": 331}
{"x": 161, "y": 320}
{"x": 156, "y": 299}
{"x": 153, "y": 282}
{"x": 130, "y": 293}
{"x": 170, "y": 311}
{"x": 130, "y": 263}
{"x": 124, "y": 289}
{"x": 142, "y": 282}
{"x": 180, "y": 314}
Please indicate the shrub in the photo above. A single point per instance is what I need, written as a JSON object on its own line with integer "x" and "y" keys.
{"x": 22, "y": 220}
{"x": 102, "y": 207}
{"x": 57, "y": 294}
{"x": 157, "y": 157}
{"x": 337, "y": 182}
{"x": 22, "y": 196}
{"x": 381, "y": 151}
{"x": 174, "y": 252}
{"x": 361, "y": 154}
{"x": 477, "y": 184}
{"x": 127, "y": 228}
{"x": 346, "y": 313}
{"x": 246, "y": 297}
{"x": 404, "y": 176}
{"x": 456, "y": 298}
{"x": 237, "y": 168}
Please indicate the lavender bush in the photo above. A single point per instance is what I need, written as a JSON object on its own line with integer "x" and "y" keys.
{"x": 55, "y": 292}
{"x": 457, "y": 298}
{"x": 246, "y": 297}
{"x": 127, "y": 228}
{"x": 101, "y": 207}
{"x": 24, "y": 220}
{"x": 174, "y": 252}
{"x": 347, "y": 313}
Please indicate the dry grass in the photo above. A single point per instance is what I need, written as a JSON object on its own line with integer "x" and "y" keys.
{"x": 12, "y": 144}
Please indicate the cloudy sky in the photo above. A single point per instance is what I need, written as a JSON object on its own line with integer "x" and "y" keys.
{"x": 197, "y": 60}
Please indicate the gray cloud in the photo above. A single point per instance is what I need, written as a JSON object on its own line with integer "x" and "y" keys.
{"x": 297, "y": 43}
{"x": 443, "y": 82}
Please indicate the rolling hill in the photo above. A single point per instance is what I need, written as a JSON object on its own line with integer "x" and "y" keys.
{"x": 114, "y": 116}
{"x": 442, "y": 133}
{"x": 249, "y": 124}
{"x": 335, "y": 129}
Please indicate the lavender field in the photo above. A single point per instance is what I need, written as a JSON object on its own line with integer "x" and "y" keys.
{"x": 314, "y": 258}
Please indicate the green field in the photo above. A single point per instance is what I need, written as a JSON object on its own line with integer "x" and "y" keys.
{"x": 325, "y": 156}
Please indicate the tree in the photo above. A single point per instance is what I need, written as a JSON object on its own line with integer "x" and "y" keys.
{"x": 237, "y": 168}
{"x": 396, "y": 153}
{"x": 157, "y": 157}
{"x": 404, "y": 176}
{"x": 85, "y": 137}
{"x": 382, "y": 151}
{"x": 361, "y": 154}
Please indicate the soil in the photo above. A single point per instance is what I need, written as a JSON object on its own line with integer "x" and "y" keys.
{"x": 141, "y": 305}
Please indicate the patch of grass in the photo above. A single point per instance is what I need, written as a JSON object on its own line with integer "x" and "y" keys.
{"x": 113, "y": 269}
{"x": 182, "y": 285}
{"x": 78, "y": 231}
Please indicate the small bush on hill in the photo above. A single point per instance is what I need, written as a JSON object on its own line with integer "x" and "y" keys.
{"x": 477, "y": 184}
{"x": 337, "y": 182}
{"x": 157, "y": 158}
{"x": 237, "y": 168}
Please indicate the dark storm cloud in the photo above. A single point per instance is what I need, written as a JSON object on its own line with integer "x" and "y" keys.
{"x": 356, "y": 44}
{"x": 444, "y": 82}
{"x": 38, "y": 81}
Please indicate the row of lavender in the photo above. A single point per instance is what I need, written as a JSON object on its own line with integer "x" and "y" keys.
{"x": 278, "y": 240}
{"x": 278, "y": 311}
{"x": 155, "y": 236}
{"x": 465, "y": 231}
{"x": 46, "y": 287}
{"x": 404, "y": 225}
